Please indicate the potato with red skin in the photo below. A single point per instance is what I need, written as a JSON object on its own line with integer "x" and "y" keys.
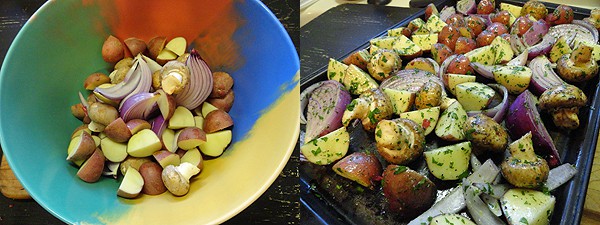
{"x": 431, "y": 10}
{"x": 464, "y": 45}
{"x": 485, "y": 7}
{"x": 475, "y": 23}
{"x": 562, "y": 15}
{"x": 217, "y": 120}
{"x": 360, "y": 58}
{"x": 460, "y": 65}
{"x": 534, "y": 8}
{"x": 502, "y": 17}
{"x": 152, "y": 174}
{"x": 408, "y": 193}
{"x": 448, "y": 36}
{"x": 439, "y": 52}
{"x": 497, "y": 28}
{"x": 485, "y": 38}
{"x": 224, "y": 103}
{"x": 521, "y": 25}
{"x": 457, "y": 20}
{"x": 112, "y": 50}
{"x": 360, "y": 167}
{"x": 466, "y": 32}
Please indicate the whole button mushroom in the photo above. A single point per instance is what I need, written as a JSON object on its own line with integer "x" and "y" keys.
{"x": 563, "y": 103}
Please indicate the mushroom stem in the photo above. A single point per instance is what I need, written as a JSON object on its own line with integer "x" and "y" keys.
{"x": 523, "y": 151}
{"x": 582, "y": 55}
{"x": 187, "y": 170}
{"x": 566, "y": 117}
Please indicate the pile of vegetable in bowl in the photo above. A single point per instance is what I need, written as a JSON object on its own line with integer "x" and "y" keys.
{"x": 138, "y": 120}
{"x": 447, "y": 117}
{"x": 61, "y": 46}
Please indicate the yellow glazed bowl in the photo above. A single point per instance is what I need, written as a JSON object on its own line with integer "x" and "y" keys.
{"x": 60, "y": 45}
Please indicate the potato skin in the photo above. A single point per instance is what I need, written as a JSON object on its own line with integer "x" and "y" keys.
{"x": 460, "y": 65}
{"x": 408, "y": 193}
{"x": 497, "y": 28}
{"x": 485, "y": 7}
{"x": 224, "y": 103}
{"x": 521, "y": 25}
{"x": 485, "y": 38}
{"x": 486, "y": 135}
{"x": 151, "y": 173}
{"x": 430, "y": 95}
{"x": 440, "y": 52}
{"x": 456, "y": 20}
{"x": 502, "y": 17}
{"x": 222, "y": 83}
{"x": 464, "y": 45}
{"x": 448, "y": 36}
{"x": 217, "y": 120}
{"x": 360, "y": 167}
{"x": 562, "y": 15}
{"x": 476, "y": 23}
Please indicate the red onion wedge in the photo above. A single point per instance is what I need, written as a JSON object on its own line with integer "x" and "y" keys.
{"x": 541, "y": 48}
{"x": 326, "y": 107}
{"x": 589, "y": 27}
{"x": 139, "y": 106}
{"x": 454, "y": 202}
{"x": 543, "y": 76}
{"x": 444, "y": 68}
{"x": 159, "y": 124}
{"x": 466, "y": 7}
{"x": 446, "y": 12}
{"x": 304, "y": 99}
{"x": 560, "y": 175}
{"x": 497, "y": 112}
{"x": 138, "y": 73}
{"x": 536, "y": 32}
{"x": 200, "y": 84}
{"x": 478, "y": 209}
{"x": 523, "y": 117}
{"x": 484, "y": 70}
{"x": 516, "y": 44}
{"x": 572, "y": 29}
{"x": 519, "y": 60}
{"x": 410, "y": 80}
{"x": 494, "y": 190}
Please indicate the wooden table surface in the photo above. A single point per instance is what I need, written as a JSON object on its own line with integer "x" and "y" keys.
{"x": 278, "y": 205}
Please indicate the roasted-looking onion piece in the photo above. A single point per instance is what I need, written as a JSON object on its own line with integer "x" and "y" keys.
{"x": 523, "y": 168}
{"x": 370, "y": 107}
{"x": 563, "y": 102}
{"x": 399, "y": 141}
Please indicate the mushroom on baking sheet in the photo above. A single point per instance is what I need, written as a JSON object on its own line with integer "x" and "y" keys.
{"x": 563, "y": 103}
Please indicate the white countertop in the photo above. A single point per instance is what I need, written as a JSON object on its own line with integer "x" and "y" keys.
{"x": 320, "y": 6}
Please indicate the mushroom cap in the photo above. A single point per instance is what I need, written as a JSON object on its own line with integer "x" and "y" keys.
{"x": 401, "y": 141}
{"x": 563, "y": 96}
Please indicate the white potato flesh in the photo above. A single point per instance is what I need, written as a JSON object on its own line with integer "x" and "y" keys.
{"x": 526, "y": 206}
{"x": 451, "y": 219}
{"x": 336, "y": 70}
{"x": 456, "y": 79}
{"x": 515, "y": 78}
{"x": 449, "y": 162}
{"x": 484, "y": 55}
{"x": 502, "y": 49}
{"x": 327, "y": 149}
{"x": 474, "y": 95}
{"x": 451, "y": 124}
{"x": 401, "y": 100}
{"x": 427, "y": 118}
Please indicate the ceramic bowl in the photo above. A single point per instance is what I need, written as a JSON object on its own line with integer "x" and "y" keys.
{"x": 60, "y": 46}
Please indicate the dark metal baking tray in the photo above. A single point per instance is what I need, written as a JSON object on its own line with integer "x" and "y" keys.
{"x": 346, "y": 203}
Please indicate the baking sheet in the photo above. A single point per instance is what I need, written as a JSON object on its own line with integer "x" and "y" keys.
{"x": 336, "y": 200}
